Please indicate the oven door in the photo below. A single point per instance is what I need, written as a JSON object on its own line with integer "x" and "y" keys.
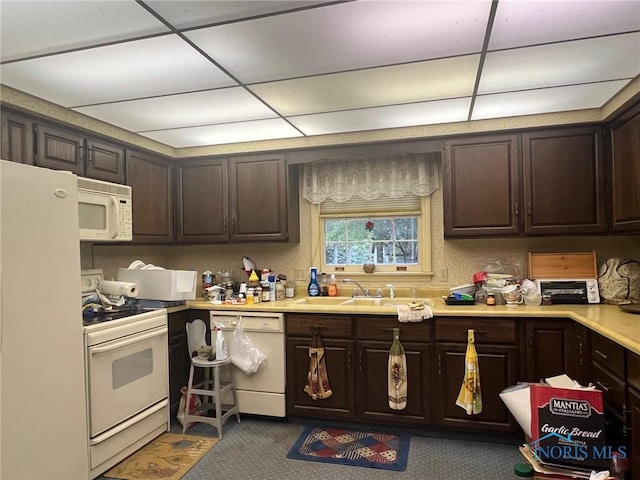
{"x": 125, "y": 376}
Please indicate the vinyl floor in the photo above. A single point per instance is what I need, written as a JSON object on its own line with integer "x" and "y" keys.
{"x": 256, "y": 449}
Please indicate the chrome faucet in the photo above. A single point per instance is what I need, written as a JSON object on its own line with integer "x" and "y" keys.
{"x": 392, "y": 290}
{"x": 365, "y": 292}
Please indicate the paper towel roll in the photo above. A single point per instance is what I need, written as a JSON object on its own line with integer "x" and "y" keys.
{"x": 128, "y": 289}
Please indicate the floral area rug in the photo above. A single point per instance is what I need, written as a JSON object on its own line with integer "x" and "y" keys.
{"x": 168, "y": 457}
{"x": 386, "y": 451}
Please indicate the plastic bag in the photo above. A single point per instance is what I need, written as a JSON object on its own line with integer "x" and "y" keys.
{"x": 194, "y": 405}
{"x": 244, "y": 353}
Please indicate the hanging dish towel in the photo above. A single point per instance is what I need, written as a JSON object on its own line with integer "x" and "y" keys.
{"x": 317, "y": 379}
{"x": 397, "y": 384}
{"x": 470, "y": 397}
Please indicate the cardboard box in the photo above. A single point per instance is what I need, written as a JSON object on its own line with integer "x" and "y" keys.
{"x": 563, "y": 422}
{"x": 166, "y": 285}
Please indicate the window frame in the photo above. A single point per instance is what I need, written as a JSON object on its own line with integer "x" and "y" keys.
{"x": 418, "y": 271}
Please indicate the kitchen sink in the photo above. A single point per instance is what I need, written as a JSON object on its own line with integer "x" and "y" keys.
{"x": 359, "y": 301}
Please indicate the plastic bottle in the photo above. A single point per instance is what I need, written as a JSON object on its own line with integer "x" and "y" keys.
{"x": 324, "y": 285}
{"x": 253, "y": 279}
{"x": 333, "y": 286}
{"x": 221, "y": 345}
{"x": 272, "y": 287}
{"x": 314, "y": 287}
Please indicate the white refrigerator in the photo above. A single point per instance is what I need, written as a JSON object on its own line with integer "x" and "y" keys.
{"x": 43, "y": 411}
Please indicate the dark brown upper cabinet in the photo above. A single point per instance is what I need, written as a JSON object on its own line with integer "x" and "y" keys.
{"x": 564, "y": 181}
{"x": 17, "y": 138}
{"x": 625, "y": 174}
{"x": 553, "y": 185}
{"x": 240, "y": 199}
{"x": 481, "y": 186}
{"x": 150, "y": 179}
{"x": 202, "y": 201}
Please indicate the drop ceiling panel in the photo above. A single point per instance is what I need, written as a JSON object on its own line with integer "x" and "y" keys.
{"x": 593, "y": 60}
{"x": 39, "y": 27}
{"x": 345, "y": 37}
{"x": 559, "y": 99}
{"x": 425, "y": 113}
{"x": 187, "y": 13}
{"x": 189, "y": 109}
{"x": 416, "y": 82}
{"x": 226, "y": 133}
{"x": 531, "y": 22}
{"x": 143, "y": 68}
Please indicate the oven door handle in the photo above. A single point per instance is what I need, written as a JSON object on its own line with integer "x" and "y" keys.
{"x": 109, "y": 347}
{"x": 132, "y": 421}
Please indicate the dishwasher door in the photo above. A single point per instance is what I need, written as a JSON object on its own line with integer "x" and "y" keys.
{"x": 261, "y": 393}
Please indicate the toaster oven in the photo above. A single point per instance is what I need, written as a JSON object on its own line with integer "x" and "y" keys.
{"x": 570, "y": 291}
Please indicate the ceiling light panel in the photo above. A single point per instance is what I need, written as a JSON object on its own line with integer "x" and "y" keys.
{"x": 143, "y": 68}
{"x": 344, "y": 37}
{"x": 39, "y": 27}
{"x": 187, "y": 13}
{"x": 416, "y": 82}
{"x": 186, "y": 110}
{"x": 425, "y": 113}
{"x": 520, "y": 23}
{"x": 598, "y": 59}
{"x": 593, "y": 60}
{"x": 226, "y": 133}
{"x": 547, "y": 100}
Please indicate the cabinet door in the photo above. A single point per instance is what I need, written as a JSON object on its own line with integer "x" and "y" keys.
{"x": 60, "y": 149}
{"x": 202, "y": 201}
{"x": 150, "y": 181}
{"x": 481, "y": 187}
{"x": 625, "y": 155}
{"x": 549, "y": 348}
{"x": 17, "y": 138}
{"x": 633, "y": 448}
{"x": 581, "y": 365}
{"x": 564, "y": 185}
{"x": 258, "y": 198}
{"x": 340, "y": 370}
{"x": 105, "y": 161}
{"x": 179, "y": 362}
{"x": 372, "y": 381}
{"x": 498, "y": 365}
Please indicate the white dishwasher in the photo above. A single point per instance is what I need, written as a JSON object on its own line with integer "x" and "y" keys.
{"x": 261, "y": 393}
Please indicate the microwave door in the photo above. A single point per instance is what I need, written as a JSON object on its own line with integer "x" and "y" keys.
{"x": 94, "y": 212}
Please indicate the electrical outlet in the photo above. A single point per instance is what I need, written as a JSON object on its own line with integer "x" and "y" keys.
{"x": 300, "y": 274}
{"x": 441, "y": 275}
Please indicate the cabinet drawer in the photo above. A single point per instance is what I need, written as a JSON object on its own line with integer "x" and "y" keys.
{"x": 486, "y": 330}
{"x": 613, "y": 388}
{"x": 608, "y": 354}
{"x": 633, "y": 370}
{"x": 331, "y": 326}
{"x": 381, "y": 328}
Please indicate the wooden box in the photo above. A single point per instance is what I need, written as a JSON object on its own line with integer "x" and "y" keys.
{"x": 562, "y": 265}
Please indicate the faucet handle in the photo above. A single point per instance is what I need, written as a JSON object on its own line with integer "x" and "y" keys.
{"x": 379, "y": 292}
{"x": 392, "y": 290}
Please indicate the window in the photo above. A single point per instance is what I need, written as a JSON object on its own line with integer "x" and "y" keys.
{"x": 392, "y": 234}
{"x": 371, "y": 212}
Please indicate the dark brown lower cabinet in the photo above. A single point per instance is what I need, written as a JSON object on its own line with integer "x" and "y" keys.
{"x": 550, "y": 348}
{"x": 498, "y": 365}
{"x": 179, "y": 362}
{"x": 633, "y": 439}
{"x": 339, "y": 355}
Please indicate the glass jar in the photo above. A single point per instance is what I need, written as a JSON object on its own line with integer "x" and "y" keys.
{"x": 491, "y": 299}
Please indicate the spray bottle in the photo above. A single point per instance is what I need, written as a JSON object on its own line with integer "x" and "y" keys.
{"x": 221, "y": 345}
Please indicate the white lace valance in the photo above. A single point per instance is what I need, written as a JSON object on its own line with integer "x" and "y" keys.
{"x": 393, "y": 176}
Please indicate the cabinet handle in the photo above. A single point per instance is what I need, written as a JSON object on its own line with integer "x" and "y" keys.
{"x": 580, "y": 353}
{"x": 349, "y": 360}
{"x": 360, "y": 360}
{"x": 602, "y": 355}
{"x": 224, "y": 224}
{"x": 439, "y": 364}
{"x": 531, "y": 343}
{"x": 92, "y": 156}
{"x": 517, "y": 212}
{"x": 530, "y": 213}
{"x": 81, "y": 152}
{"x": 602, "y": 386}
{"x": 233, "y": 224}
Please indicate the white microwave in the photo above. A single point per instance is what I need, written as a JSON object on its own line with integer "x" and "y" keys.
{"x": 104, "y": 211}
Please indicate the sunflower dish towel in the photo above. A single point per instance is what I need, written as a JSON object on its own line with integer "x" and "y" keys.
{"x": 470, "y": 397}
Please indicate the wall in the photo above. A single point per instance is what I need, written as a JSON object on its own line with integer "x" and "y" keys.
{"x": 461, "y": 258}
